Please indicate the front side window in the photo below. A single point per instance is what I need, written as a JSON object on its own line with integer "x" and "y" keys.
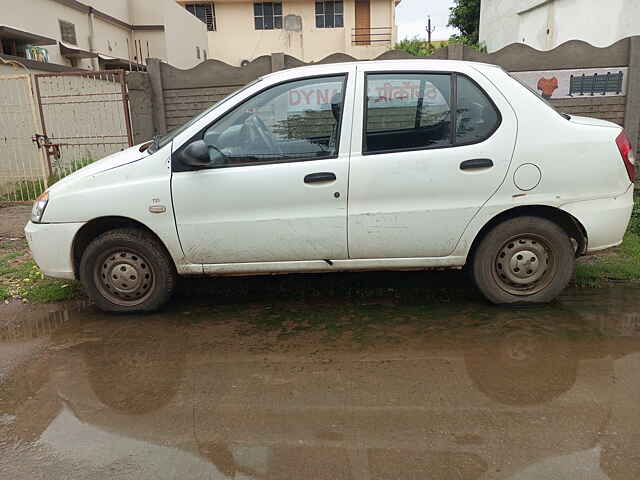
{"x": 289, "y": 122}
{"x": 329, "y": 14}
{"x": 407, "y": 111}
{"x": 205, "y": 12}
{"x": 267, "y": 15}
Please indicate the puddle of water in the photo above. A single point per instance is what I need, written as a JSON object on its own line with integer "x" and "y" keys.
{"x": 381, "y": 387}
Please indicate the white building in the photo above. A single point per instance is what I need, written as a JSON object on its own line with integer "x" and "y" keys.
{"x": 545, "y": 24}
{"x": 94, "y": 34}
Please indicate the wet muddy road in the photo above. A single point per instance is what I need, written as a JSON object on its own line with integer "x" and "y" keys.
{"x": 326, "y": 388}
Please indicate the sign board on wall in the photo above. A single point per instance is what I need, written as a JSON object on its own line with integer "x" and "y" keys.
{"x": 580, "y": 83}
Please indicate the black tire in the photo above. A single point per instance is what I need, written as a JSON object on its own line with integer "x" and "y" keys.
{"x": 126, "y": 271}
{"x": 524, "y": 260}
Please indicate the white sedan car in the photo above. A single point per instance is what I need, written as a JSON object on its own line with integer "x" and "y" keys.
{"x": 387, "y": 165}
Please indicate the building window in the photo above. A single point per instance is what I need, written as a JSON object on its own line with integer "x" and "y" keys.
{"x": 329, "y": 14}
{"x": 68, "y": 32}
{"x": 198, "y": 53}
{"x": 206, "y": 12}
{"x": 267, "y": 15}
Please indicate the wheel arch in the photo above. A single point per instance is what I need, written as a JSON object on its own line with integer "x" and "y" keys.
{"x": 563, "y": 219}
{"x": 96, "y": 227}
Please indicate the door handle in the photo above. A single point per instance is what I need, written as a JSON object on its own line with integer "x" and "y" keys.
{"x": 320, "y": 177}
{"x": 476, "y": 163}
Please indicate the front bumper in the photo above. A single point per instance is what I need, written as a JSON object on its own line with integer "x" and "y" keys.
{"x": 605, "y": 220}
{"x": 51, "y": 245}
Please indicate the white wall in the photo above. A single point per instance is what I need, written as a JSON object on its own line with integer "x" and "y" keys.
{"x": 110, "y": 39}
{"x": 157, "y": 46}
{"x": 545, "y": 24}
{"x": 147, "y": 12}
{"x": 183, "y": 32}
{"x": 116, "y": 8}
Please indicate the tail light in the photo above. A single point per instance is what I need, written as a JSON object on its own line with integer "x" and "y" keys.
{"x": 628, "y": 157}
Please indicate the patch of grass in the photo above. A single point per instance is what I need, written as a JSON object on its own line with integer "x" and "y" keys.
{"x": 4, "y": 294}
{"x": 23, "y": 191}
{"x": 622, "y": 264}
{"x": 47, "y": 291}
{"x": 21, "y": 280}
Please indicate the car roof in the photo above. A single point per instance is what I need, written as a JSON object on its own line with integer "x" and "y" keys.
{"x": 402, "y": 64}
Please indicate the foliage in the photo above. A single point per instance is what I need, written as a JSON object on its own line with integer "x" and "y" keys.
{"x": 463, "y": 39}
{"x": 21, "y": 280}
{"x": 621, "y": 264}
{"x": 25, "y": 190}
{"x": 419, "y": 48}
{"x": 634, "y": 226}
{"x": 465, "y": 16}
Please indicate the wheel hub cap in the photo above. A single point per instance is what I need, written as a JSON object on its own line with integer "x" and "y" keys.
{"x": 522, "y": 265}
{"x": 125, "y": 277}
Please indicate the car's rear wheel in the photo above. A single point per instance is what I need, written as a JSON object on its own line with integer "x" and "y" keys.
{"x": 127, "y": 270}
{"x": 524, "y": 260}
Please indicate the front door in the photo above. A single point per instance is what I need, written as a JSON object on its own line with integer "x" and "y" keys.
{"x": 278, "y": 191}
{"x": 429, "y": 149}
{"x": 363, "y": 22}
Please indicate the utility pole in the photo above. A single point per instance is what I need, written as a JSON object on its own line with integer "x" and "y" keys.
{"x": 430, "y": 30}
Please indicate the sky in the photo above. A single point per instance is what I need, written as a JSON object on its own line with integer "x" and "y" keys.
{"x": 411, "y": 16}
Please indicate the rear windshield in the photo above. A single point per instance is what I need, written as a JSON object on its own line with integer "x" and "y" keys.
{"x": 539, "y": 97}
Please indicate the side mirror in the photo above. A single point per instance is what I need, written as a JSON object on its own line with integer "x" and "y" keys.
{"x": 200, "y": 155}
{"x": 196, "y": 154}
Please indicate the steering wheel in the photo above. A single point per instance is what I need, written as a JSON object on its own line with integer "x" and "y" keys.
{"x": 258, "y": 135}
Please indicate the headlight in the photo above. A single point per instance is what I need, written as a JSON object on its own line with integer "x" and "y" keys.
{"x": 39, "y": 206}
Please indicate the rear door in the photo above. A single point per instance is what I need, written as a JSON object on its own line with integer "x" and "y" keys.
{"x": 429, "y": 149}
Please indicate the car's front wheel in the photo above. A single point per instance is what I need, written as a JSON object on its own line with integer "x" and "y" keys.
{"x": 127, "y": 270}
{"x": 524, "y": 260}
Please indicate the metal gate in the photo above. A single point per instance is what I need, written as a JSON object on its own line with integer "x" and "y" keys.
{"x": 23, "y": 168}
{"x": 84, "y": 116}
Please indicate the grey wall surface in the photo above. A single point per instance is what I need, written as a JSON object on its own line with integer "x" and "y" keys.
{"x": 174, "y": 95}
{"x": 140, "y": 105}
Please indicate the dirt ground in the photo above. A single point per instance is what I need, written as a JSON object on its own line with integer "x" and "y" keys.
{"x": 325, "y": 388}
{"x": 12, "y": 221}
{"x": 366, "y": 376}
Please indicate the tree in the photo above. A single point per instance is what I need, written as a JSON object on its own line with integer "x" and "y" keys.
{"x": 465, "y": 16}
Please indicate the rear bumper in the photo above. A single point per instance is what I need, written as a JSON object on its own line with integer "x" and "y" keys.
{"x": 51, "y": 247}
{"x": 605, "y": 220}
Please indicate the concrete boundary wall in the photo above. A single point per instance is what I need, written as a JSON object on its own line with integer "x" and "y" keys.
{"x": 171, "y": 96}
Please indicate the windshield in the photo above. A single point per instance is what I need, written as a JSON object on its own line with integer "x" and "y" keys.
{"x": 162, "y": 140}
{"x": 539, "y": 97}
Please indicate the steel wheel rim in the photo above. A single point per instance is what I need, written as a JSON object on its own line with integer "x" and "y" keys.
{"x": 124, "y": 277}
{"x": 524, "y": 265}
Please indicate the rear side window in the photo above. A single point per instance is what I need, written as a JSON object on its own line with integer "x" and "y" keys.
{"x": 476, "y": 117}
{"x": 414, "y": 111}
{"x": 407, "y": 111}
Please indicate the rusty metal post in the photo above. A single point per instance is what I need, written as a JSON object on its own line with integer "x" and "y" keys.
{"x": 42, "y": 122}
{"x": 125, "y": 104}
